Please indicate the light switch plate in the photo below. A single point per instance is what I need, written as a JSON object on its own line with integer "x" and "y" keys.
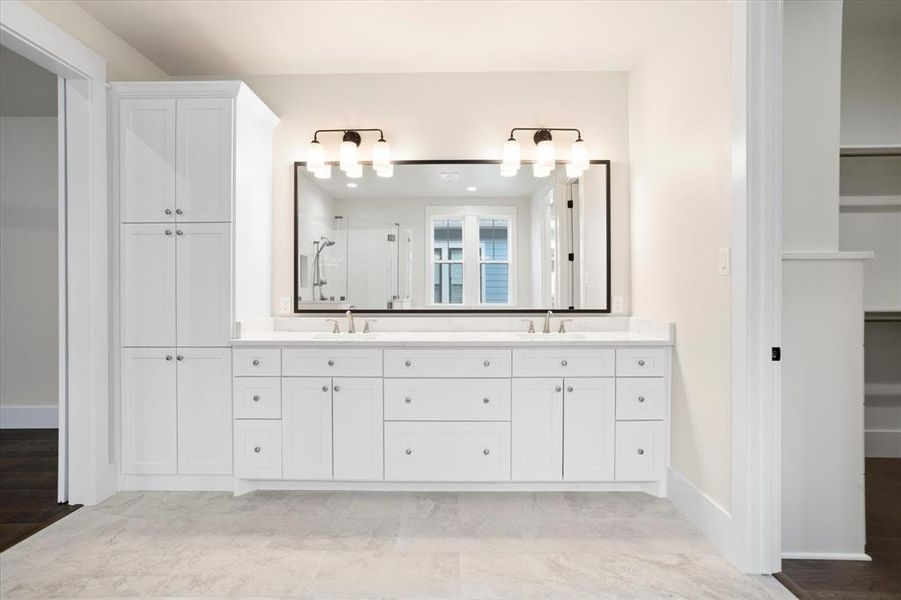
{"x": 617, "y": 304}
{"x": 725, "y": 261}
{"x": 284, "y": 305}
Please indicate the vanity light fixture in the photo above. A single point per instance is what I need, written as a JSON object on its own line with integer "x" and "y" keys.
{"x": 545, "y": 155}
{"x": 348, "y": 154}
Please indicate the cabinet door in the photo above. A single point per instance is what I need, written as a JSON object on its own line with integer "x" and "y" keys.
{"x": 307, "y": 427}
{"x": 204, "y": 411}
{"x": 537, "y": 429}
{"x": 147, "y": 160}
{"x": 204, "y": 153}
{"x": 204, "y": 284}
{"x": 358, "y": 448}
{"x": 149, "y": 411}
{"x": 589, "y": 425}
{"x": 640, "y": 451}
{"x": 258, "y": 449}
{"x": 147, "y": 285}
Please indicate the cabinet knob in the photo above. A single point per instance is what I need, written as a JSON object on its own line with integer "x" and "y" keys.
{"x": 179, "y": 357}
{"x": 408, "y": 363}
{"x": 179, "y": 232}
{"x": 178, "y": 211}
{"x": 168, "y": 357}
{"x": 569, "y": 388}
{"x": 640, "y": 451}
{"x": 331, "y": 363}
{"x": 487, "y": 363}
{"x": 558, "y": 389}
{"x": 486, "y": 451}
{"x": 563, "y": 363}
{"x": 325, "y": 388}
{"x": 640, "y": 362}
{"x": 257, "y": 449}
{"x": 337, "y": 388}
{"x": 168, "y": 232}
{"x": 641, "y": 398}
{"x": 168, "y": 211}
{"x": 255, "y": 362}
{"x": 256, "y": 398}
{"x": 408, "y": 400}
{"x": 408, "y": 451}
{"x": 486, "y": 400}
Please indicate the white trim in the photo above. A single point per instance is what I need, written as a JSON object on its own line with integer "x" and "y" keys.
{"x": 827, "y": 255}
{"x": 29, "y": 417}
{"x": 704, "y": 513}
{"x": 62, "y": 480}
{"x": 825, "y": 556}
{"x": 177, "y": 483}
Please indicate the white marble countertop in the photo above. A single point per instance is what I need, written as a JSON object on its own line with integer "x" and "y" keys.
{"x": 451, "y": 338}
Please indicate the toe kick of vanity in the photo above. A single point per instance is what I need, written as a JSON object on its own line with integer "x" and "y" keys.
{"x": 526, "y": 415}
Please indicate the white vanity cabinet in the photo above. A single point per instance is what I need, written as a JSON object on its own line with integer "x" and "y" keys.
{"x": 192, "y": 190}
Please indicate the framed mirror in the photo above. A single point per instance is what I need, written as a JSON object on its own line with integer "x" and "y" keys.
{"x": 452, "y": 236}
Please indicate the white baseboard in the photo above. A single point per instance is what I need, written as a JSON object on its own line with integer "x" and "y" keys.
{"x": 243, "y": 486}
{"x": 710, "y": 518}
{"x": 29, "y": 417}
{"x": 176, "y": 483}
{"x": 825, "y": 556}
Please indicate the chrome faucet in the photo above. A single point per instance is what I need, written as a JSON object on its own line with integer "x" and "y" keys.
{"x": 350, "y": 323}
{"x": 335, "y": 328}
{"x": 563, "y": 323}
{"x": 547, "y": 322}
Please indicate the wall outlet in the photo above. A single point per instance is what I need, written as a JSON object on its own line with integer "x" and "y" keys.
{"x": 284, "y": 305}
{"x": 617, "y": 305}
{"x": 725, "y": 261}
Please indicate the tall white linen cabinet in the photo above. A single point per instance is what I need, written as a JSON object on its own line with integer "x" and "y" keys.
{"x": 191, "y": 187}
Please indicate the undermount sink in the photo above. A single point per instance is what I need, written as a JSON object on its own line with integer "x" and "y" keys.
{"x": 345, "y": 337}
{"x": 546, "y": 337}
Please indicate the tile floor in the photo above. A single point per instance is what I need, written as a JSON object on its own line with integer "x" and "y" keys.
{"x": 375, "y": 545}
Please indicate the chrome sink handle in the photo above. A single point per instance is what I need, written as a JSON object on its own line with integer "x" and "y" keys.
{"x": 547, "y": 322}
{"x": 563, "y": 323}
{"x": 335, "y": 328}
{"x": 531, "y": 324}
{"x": 366, "y": 327}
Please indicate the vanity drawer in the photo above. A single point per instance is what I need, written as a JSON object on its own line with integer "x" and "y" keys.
{"x": 447, "y": 451}
{"x": 563, "y": 362}
{"x": 640, "y": 398}
{"x": 447, "y": 399}
{"x": 331, "y": 362}
{"x": 258, "y": 449}
{"x": 640, "y": 451}
{"x": 257, "y": 362}
{"x": 257, "y": 397}
{"x": 641, "y": 362}
{"x": 465, "y": 362}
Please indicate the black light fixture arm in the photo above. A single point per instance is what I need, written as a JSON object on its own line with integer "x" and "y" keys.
{"x": 544, "y": 133}
{"x": 350, "y": 135}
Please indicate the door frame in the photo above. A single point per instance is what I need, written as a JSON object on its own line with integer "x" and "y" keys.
{"x": 88, "y": 471}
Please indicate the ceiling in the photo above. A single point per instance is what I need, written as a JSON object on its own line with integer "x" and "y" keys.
{"x": 429, "y": 181}
{"x": 265, "y": 37}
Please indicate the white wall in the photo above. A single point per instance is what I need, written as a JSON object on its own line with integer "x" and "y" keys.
{"x": 123, "y": 62}
{"x": 447, "y": 116}
{"x": 28, "y": 261}
{"x": 680, "y": 125}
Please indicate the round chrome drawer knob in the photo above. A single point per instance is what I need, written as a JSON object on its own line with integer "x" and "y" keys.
{"x": 256, "y": 398}
{"x": 255, "y": 363}
{"x": 641, "y": 398}
{"x": 563, "y": 363}
{"x": 558, "y": 389}
{"x": 179, "y": 357}
{"x": 569, "y": 388}
{"x": 331, "y": 363}
{"x": 486, "y": 451}
{"x": 257, "y": 449}
{"x": 408, "y": 400}
{"x": 641, "y": 362}
{"x": 640, "y": 451}
{"x": 408, "y": 452}
{"x": 178, "y": 211}
{"x": 179, "y": 231}
{"x": 168, "y": 357}
{"x": 168, "y": 211}
{"x": 337, "y": 388}
{"x": 486, "y": 400}
{"x": 407, "y": 363}
{"x": 168, "y": 232}
{"x": 325, "y": 388}
{"x": 487, "y": 363}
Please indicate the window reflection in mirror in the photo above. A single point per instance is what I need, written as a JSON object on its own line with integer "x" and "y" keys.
{"x": 454, "y": 236}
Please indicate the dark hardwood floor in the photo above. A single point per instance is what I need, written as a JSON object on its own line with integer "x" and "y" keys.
{"x": 852, "y": 580}
{"x": 28, "y": 473}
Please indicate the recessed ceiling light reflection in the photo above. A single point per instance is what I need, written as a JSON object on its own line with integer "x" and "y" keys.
{"x": 351, "y": 185}
{"x": 471, "y": 188}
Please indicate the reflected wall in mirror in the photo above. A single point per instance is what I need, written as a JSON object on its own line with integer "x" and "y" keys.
{"x": 452, "y": 236}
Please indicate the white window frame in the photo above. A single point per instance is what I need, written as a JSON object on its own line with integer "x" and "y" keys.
{"x": 471, "y": 260}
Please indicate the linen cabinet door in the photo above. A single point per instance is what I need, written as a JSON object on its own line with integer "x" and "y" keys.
{"x": 204, "y": 411}
{"x": 589, "y": 427}
{"x": 205, "y": 156}
{"x": 204, "y": 269}
{"x": 307, "y": 427}
{"x": 149, "y": 440}
{"x": 147, "y": 290}
{"x": 537, "y": 429}
{"x": 147, "y": 160}
{"x": 358, "y": 427}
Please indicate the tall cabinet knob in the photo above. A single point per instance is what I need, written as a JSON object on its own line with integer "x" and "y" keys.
{"x": 168, "y": 211}
{"x": 178, "y": 211}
